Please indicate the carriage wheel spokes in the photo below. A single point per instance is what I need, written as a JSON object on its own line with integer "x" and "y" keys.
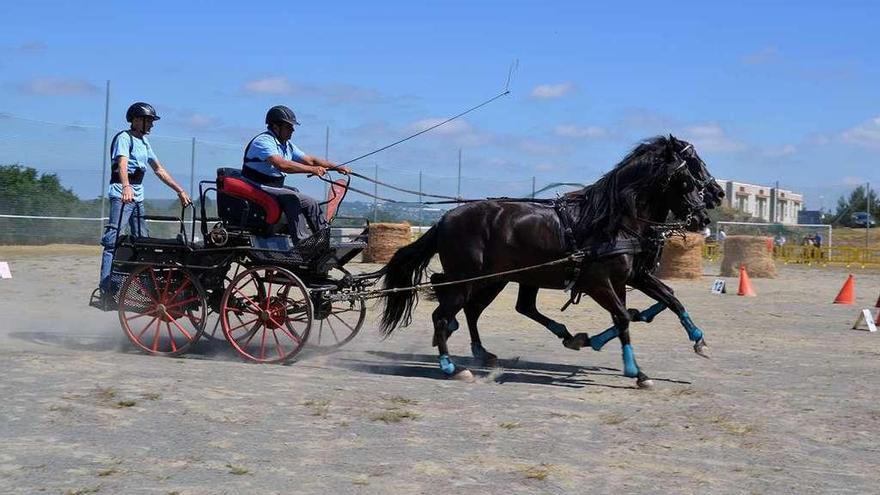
{"x": 266, "y": 314}
{"x": 162, "y": 310}
{"x": 338, "y": 322}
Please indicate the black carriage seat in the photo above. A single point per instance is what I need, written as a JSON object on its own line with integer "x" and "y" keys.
{"x": 241, "y": 204}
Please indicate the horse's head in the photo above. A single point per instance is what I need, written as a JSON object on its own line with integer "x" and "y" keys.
{"x": 684, "y": 193}
{"x": 713, "y": 193}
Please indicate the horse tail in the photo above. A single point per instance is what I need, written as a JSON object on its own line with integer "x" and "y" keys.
{"x": 406, "y": 269}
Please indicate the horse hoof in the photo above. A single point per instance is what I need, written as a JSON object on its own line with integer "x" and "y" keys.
{"x": 646, "y": 383}
{"x": 486, "y": 358}
{"x": 464, "y": 375}
{"x": 577, "y": 342}
{"x": 702, "y": 349}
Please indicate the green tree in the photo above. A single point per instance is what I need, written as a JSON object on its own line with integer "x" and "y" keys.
{"x": 857, "y": 201}
{"x": 24, "y": 192}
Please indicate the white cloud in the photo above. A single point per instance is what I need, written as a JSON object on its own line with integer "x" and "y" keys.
{"x": 852, "y": 181}
{"x": 552, "y": 91}
{"x": 331, "y": 93}
{"x": 573, "y": 131}
{"x": 270, "y": 86}
{"x": 767, "y": 55}
{"x": 199, "y": 121}
{"x": 32, "y": 47}
{"x": 454, "y": 128}
{"x": 711, "y": 137}
{"x": 787, "y": 150}
{"x": 546, "y": 167}
{"x": 866, "y": 134}
{"x": 533, "y": 147}
{"x": 48, "y": 86}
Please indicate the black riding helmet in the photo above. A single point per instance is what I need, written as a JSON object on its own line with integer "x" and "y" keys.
{"x": 280, "y": 113}
{"x": 141, "y": 109}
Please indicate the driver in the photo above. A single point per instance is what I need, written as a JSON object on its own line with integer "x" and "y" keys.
{"x": 270, "y": 156}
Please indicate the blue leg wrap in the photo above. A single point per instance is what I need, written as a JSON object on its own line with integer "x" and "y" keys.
{"x": 558, "y": 329}
{"x": 630, "y": 368}
{"x": 694, "y": 333}
{"x": 648, "y": 315}
{"x": 600, "y": 340}
{"x": 446, "y": 365}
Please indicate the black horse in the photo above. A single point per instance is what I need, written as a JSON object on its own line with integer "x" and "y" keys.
{"x": 642, "y": 279}
{"x": 610, "y": 222}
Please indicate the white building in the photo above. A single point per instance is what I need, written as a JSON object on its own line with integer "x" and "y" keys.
{"x": 763, "y": 202}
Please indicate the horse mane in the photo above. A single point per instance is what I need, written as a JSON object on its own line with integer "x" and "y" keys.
{"x": 600, "y": 207}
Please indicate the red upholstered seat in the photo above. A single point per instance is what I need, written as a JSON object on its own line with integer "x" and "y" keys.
{"x": 240, "y": 189}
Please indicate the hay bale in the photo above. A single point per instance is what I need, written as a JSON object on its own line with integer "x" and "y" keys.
{"x": 682, "y": 257}
{"x": 385, "y": 239}
{"x": 750, "y": 251}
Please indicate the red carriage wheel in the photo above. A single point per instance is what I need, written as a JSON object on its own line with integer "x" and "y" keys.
{"x": 266, "y": 314}
{"x": 162, "y": 310}
{"x": 337, "y": 322}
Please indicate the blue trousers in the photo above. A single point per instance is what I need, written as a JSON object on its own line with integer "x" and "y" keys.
{"x": 131, "y": 214}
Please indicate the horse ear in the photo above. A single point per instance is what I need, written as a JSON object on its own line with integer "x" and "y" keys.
{"x": 670, "y": 148}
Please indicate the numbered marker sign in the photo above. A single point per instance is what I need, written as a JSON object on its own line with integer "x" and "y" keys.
{"x": 4, "y": 270}
{"x": 718, "y": 287}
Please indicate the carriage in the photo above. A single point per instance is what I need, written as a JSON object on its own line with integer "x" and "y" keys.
{"x": 271, "y": 296}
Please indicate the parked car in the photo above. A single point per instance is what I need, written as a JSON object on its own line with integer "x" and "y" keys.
{"x": 861, "y": 219}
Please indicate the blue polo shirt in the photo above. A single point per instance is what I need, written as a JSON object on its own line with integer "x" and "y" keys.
{"x": 265, "y": 145}
{"x": 139, "y": 157}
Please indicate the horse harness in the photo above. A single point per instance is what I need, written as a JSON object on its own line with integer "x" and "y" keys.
{"x": 627, "y": 241}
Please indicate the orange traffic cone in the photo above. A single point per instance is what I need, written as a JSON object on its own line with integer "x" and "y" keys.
{"x": 745, "y": 285}
{"x": 878, "y": 302}
{"x": 846, "y": 296}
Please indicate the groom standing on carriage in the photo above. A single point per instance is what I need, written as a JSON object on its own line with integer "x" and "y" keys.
{"x": 270, "y": 156}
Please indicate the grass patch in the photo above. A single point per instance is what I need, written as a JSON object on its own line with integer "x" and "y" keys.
{"x": 611, "y": 419}
{"x": 105, "y": 393}
{"x": 83, "y": 491}
{"x": 122, "y": 404}
{"x": 403, "y": 401}
{"x": 237, "y": 470}
{"x": 733, "y": 427}
{"x": 151, "y": 396}
{"x": 318, "y": 407}
{"x": 361, "y": 480}
{"x": 107, "y": 472}
{"x": 565, "y": 415}
{"x": 510, "y": 425}
{"x": 396, "y": 416}
{"x": 539, "y": 472}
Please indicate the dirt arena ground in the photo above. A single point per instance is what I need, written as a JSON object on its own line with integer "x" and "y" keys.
{"x": 790, "y": 402}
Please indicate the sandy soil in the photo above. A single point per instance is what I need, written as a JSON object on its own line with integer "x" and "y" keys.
{"x": 788, "y": 404}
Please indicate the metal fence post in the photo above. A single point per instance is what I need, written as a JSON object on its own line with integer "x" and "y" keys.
{"x": 376, "y": 194}
{"x": 192, "y": 167}
{"x": 105, "y": 153}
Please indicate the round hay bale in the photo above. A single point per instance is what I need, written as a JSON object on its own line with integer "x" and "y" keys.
{"x": 750, "y": 251}
{"x": 385, "y": 239}
{"x": 682, "y": 257}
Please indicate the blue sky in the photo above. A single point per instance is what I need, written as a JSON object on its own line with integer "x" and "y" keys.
{"x": 766, "y": 91}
